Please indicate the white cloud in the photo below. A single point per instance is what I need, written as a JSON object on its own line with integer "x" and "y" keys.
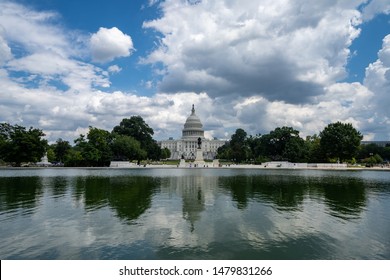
{"x": 44, "y": 81}
{"x": 43, "y": 63}
{"x": 35, "y": 31}
{"x": 282, "y": 50}
{"x": 153, "y": 2}
{"x": 341, "y": 102}
{"x": 108, "y": 44}
{"x": 280, "y": 60}
{"x": 41, "y": 52}
{"x": 114, "y": 69}
{"x": 375, "y": 7}
{"x": 5, "y": 50}
{"x": 48, "y": 67}
{"x": 378, "y": 81}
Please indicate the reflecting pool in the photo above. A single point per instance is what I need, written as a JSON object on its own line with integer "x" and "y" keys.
{"x": 147, "y": 213}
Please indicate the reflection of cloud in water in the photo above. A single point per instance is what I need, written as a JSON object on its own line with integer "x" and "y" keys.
{"x": 190, "y": 218}
{"x": 262, "y": 226}
{"x": 190, "y": 194}
{"x": 196, "y": 215}
{"x": 192, "y": 190}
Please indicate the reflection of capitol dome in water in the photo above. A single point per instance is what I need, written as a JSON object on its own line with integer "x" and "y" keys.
{"x": 187, "y": 146}
{"x": 196, "y": 191}
{"x": 193, "y": 126}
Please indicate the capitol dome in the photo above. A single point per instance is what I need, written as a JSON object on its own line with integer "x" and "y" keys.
{"x": 193, "y": 127}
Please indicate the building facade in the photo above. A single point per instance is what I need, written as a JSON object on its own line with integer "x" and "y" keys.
{"x": 187, "y": 146}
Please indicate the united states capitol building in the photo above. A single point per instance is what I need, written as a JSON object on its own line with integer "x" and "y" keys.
{"x": 187, "y": 146}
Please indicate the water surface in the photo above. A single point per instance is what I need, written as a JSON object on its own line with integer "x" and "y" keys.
{"x": 194, "y": 214}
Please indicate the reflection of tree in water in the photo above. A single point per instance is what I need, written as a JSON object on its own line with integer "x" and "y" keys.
{"x": 345, "y": 197}
{"x": 133, "y": 196}
{"x": 59, "y": 185}
{"x": 240, "y": 186}
{"x": 20, "y": 192}
{"x": 93, "y": 190}
{"x": 287, "y": 193}
{"x": 129, "y": 196}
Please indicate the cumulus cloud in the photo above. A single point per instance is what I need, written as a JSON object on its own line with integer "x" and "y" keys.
{"x": 378, "y": 81}
{"x": 375, "y": 7}
{"x": 282, "y": 50}
{"x": 40, "y": 52}
{"x": 51, "y": 67}
{"x": 243, "y": 64}
{"x": 45, "y": 82}
{"x": 114, "y": 69}
{"x": 35, "y": 31}
{"x": 108, "y": 44}
{"x": 341, "y": 102}
{"x": 5, "y": 50}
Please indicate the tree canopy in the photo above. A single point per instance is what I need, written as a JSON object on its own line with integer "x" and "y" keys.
{"x": 136, "y": 128}
{"x": 19, "y": 145}
{"x": 127, "y": 148}
{"x": 340, "y": 140}
{"x": 133, "y": 139}
{"x": 139, "y": 130}
{"x": 337, "y": 141}
{"x": 283, "y": 143}
{"x": 60, "y": 149}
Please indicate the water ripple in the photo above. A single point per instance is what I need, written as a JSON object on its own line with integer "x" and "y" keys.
{"x": 193, "y": 214}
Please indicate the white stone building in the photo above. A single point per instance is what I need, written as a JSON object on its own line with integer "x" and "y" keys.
{"x": 187, "y": 146}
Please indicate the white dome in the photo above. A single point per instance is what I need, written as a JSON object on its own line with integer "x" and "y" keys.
{"x": 193, "y": 127}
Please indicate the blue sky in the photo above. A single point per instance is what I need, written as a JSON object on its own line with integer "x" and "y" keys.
{"x": 256, "y": 65}
{"x": 88, "y": 16}
{"x": 367, "y": 46}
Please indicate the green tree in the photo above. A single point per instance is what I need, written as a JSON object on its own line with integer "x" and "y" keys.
{"x": 165, "y": 153}
{"x": 223, "y": 152}
{"x": 95, "y": 148}
{"x": 60, "y": 149}
{"x": 19, "y": 145}
{"x": 386, "y": 153}
{"x": 236, "y": 149}
{"x": 100, "y": 140}
{"x": 257, "y": 148}
{"x": 153, "y": 150}
{"x": 89, "y": 154}
{"x": 313, "y": 147}
{"x": 340, "y": 140}
{"x": 136, "y": 128}
{"x": 73, "y": 157}
{"x": 127, "y": 148}
{"x": 51, "y": 156}
{"x": 283, "y": 143}
{"x": 369, "y": 150}
{"x": 239, "y": 137}
{"x": 239, "y": 150}
{"x": 140, "y": 131}
{"x": 372, "y": 160}
{"x": 294, "y": 150}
